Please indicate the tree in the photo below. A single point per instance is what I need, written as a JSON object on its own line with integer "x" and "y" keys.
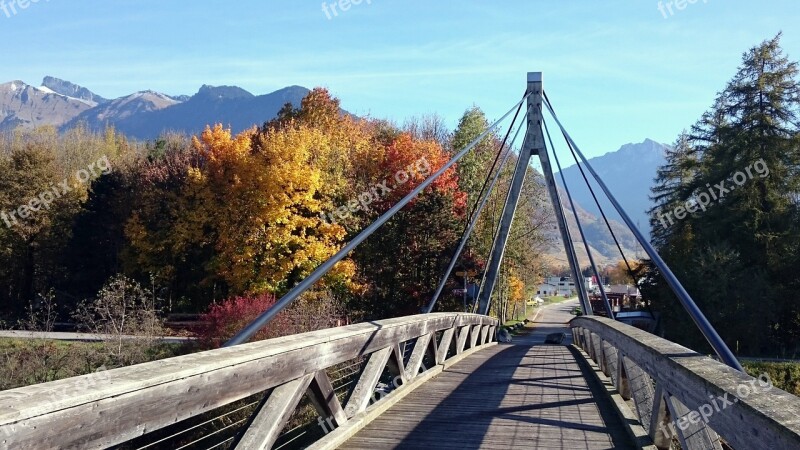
{"x": 737, "y": 254}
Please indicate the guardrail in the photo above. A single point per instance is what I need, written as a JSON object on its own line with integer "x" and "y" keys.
{"x": 678, "y": 393}
{"x": 125, "y": 404}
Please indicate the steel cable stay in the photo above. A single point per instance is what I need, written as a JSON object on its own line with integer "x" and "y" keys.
{"x": 603, "y": 214}
{"x": 494, "y": 164}
{"x": 493, "y": 247}
{"x": 479, "y": 206}
{"x": 578, "y": 222}
{"x": 253, "y": 328}
{"x": 700, "y": 320}
{"x": 631, "y": 272}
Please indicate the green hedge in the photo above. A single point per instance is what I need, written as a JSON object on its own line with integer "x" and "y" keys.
{"x": 784, "y": 375}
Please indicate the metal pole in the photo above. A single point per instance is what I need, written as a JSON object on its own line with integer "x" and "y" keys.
{"x": 566, "y": 236}
{"x": 563, "y": 227}
{"x": 512, "y": 199}
{"x": 319, "y": 272}
{"x": 686, "y": 300}
{"x": 580, "y": 228}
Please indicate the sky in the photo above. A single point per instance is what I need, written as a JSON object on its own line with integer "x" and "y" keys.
{"x": 616, "y": 71}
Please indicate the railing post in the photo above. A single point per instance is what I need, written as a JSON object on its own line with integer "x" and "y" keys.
{"x": 365, "y": 388}
{"x": 415, "y": 361}
{"x": 444, "y": 345}
{"x": 324, "y": 399}
{"x": 692, "y": 434}
{"x": 268, "y": 424}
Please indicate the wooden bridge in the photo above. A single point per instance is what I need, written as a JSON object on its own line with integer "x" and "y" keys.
{"x": 435, "y": 380}
{"x": 619, "y": 387}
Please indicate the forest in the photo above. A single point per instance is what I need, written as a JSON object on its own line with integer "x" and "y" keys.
{"x": 96, "y": 224}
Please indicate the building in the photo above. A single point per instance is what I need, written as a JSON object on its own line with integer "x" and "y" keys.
{"x": 547, "y": 290}
{"x": 623, "y": 295}
{"x": 557, "y": 286}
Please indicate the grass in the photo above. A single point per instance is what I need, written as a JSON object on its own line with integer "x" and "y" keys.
{"x": 556, "y": 299}
{"x": 24, "y": 362}
{"x": 784, "y": 375}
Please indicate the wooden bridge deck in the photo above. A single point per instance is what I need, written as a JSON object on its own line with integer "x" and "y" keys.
{"x": 522, "y": 395}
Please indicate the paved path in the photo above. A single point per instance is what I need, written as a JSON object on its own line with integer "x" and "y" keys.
{"x": 521, "y": 395}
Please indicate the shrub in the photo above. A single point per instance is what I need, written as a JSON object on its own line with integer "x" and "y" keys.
{"x": 126, "y": 313}
{"x": 312, "y": 311}
{"x": 784, "y": 375}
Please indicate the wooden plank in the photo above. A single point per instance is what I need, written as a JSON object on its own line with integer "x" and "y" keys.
{"x": 623, "y": 386}
{"x": 530, "y": 397}
{"x": 612, "y": 360}
{"x": 432, "y": 349}
{"x": 463, "y": 334}
{"x": 658, "y": 428}
{"x": 415, "y": 361}
{"x": 590, "y": 344}
{"x": 324, "y": 399}
{"x": 271, "y": 419}
{"x": 444, "y": 345}
{"x": 395, "y": 364}
{"x": 597, "y": 349}
{"x": 640, "y": 388}
{"x": 474, "y": 332}
{"x": 365, "y": 388}
{"x": 692, "y": 434}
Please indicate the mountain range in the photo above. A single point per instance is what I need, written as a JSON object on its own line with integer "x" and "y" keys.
{"x": 629, "y": 174}
{"x": 142, "y": 115}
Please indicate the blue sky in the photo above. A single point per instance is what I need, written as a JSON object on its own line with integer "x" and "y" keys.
{"x": 617, "y": 71}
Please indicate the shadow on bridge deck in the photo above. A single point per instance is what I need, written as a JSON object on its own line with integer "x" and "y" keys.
{"x": 523, "y": 395}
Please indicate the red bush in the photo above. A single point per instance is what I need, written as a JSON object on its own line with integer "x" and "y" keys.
{"x": 224, "y": 320}
{"x": 312, "y": 311}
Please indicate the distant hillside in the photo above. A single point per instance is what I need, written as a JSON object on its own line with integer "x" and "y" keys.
{"x": 142, "y": 115}
{"x": 604, "y": 250}
{"x": 229, "y": 105}
{"x": 629, "y": 173}
{"x": 26, "y": 106}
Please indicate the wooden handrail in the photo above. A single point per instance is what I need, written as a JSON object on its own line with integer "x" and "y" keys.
{"x": 102, "y": 410}
{"x": 679, "y": 392}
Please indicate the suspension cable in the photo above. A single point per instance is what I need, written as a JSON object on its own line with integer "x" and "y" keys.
{"x": 253, "y": 328}
{"x": 686, "y": 300}
{"x": 603, "y": 214}
{"x": 634, "y": 277}
{"x": 491, "y": 169}
{"x": 578, "y": 222}
{"x": 478, "y": 208}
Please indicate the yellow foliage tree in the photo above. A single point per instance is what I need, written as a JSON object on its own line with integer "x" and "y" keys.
{"x": 261, "y": 193}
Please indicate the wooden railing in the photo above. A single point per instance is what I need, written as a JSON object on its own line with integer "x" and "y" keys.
{"x": 678, "y": 393}
{"x": 117, "y": 406}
